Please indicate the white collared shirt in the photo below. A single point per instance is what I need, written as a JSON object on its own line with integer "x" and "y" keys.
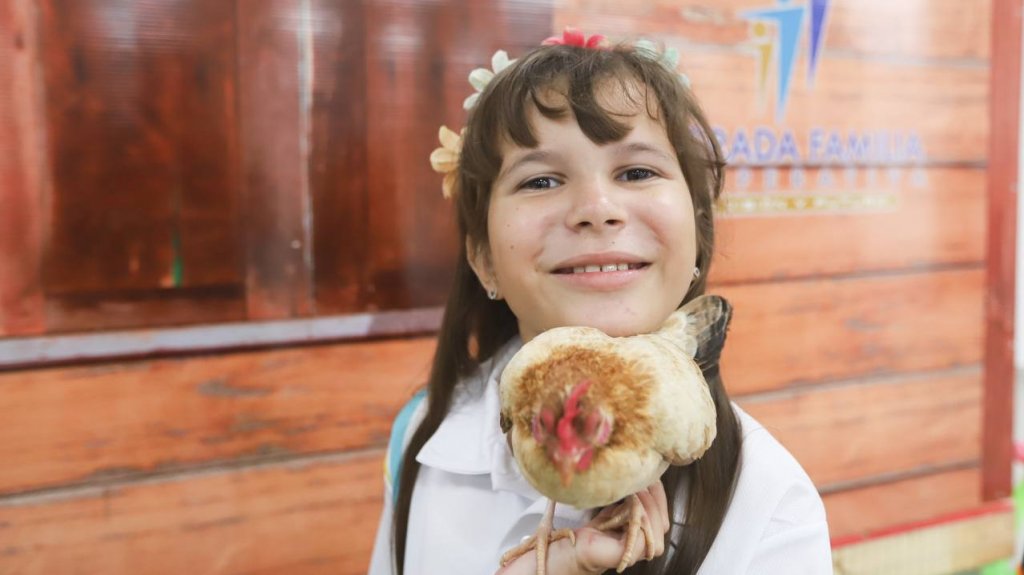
{"x": 471, "y": 504}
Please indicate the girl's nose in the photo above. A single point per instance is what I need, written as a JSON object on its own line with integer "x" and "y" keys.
{"x": 595, "y": 206}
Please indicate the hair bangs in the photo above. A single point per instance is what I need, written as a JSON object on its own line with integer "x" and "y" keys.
{"x": 569, "y": 82}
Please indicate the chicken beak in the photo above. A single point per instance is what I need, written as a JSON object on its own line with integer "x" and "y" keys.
{"x": 566, "y": 471}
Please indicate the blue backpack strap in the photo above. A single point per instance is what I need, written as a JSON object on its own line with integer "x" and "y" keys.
{"x": 396, "y": 445}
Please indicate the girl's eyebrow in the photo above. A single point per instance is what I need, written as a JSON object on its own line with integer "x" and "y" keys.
{"x": 645, "y": 147}
{"x": 532, "y": 156}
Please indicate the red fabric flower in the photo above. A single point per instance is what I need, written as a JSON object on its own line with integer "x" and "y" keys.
{"x": 573, "y": 37}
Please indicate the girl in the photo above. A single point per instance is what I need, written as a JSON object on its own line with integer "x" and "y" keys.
{"x": 584, "y": 190}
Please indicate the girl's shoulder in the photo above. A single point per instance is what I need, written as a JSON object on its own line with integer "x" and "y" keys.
{"x": 772, "y": 484}
{"x": 776, "y": 521}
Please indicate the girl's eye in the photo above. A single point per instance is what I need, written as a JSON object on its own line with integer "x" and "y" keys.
{"x": 637, "y": 174}
{"x": 541, "y": 183}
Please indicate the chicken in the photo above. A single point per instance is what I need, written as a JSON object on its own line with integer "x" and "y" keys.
{"x": 593, "y": 419}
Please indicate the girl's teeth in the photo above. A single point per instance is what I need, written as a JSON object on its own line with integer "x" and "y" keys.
{"x": 603, "y": 268}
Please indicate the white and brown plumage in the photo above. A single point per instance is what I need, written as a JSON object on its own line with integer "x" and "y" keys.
{"x": 594, "y": 419}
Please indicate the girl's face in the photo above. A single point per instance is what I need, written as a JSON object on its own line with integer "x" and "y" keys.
{"x": 583, "y": 234}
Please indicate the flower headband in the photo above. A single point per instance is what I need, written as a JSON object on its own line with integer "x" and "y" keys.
{"x": 445, "y": 160}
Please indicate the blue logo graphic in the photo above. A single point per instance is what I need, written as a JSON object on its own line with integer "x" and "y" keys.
{"x": 787, "y": 19}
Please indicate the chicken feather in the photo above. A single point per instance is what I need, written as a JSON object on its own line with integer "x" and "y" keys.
{"x": 593, "y": 419}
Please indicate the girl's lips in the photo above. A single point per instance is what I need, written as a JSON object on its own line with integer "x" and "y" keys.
{"x": 598, "y": 267}
{"x": 602, "y": 281}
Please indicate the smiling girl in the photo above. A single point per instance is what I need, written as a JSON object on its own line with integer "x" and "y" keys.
{"x": 584, "y": 189}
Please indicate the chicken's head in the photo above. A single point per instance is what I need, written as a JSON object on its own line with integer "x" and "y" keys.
{"x": 570, "y": 429}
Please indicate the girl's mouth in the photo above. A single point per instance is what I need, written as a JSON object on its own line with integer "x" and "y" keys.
{"x": 597, "y": 269}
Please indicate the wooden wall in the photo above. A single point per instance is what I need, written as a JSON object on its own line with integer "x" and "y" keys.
{"x": 266, "y": 160}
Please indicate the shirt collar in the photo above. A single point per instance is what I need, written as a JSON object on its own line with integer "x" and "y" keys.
{"x": 469, "y": 440}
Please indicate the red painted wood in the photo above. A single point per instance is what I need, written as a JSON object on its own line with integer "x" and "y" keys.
{"x": 340, "y": 188}
{"x": 311, "y": 517}
{"x": 140, "y": 110}
{"x": 861, "y": 512}
{"x": 22, "y": 172}
{"x": 275, "y": 64}
{"x": 125, "y": 421}
{"x": 1004, "y": 145}
{"x": 866, "y": 28}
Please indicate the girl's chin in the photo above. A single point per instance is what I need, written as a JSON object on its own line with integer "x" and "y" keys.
{"x": 612, "y": 324}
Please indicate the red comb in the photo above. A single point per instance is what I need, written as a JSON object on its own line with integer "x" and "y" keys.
{"x": 564, "y": 426}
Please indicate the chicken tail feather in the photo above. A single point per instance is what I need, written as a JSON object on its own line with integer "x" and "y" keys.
{"x": 711, "y": 316}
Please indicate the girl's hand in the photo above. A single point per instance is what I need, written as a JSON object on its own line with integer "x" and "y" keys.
{"x": 597, "y": 551}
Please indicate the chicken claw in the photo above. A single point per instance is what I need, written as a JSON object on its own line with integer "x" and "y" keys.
{"x": 635, "y": 519}
{"x": 540, "y": 541}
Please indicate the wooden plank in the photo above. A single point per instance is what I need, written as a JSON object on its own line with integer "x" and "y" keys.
{"x": 174, "y": 413}
{"x": 879, "y": 99}
{"x": 309, "y": 518}
{"x": 873, "y": 74}
{"x": 794, "y": 333}
{"x": 140, "y": 97}
{"x": 1004, "y": 183}
{"x": 256, "y": 405}
{"x": 91, "y": 311}
{"x": 28, "y": 352}
{"x": 409, "y": 232}
{"x": 283, "y": 518}
{"x": 22, "y": 172}
{"x": 97, "y": 423}
{"x": 941, "y": 222}
{"x": 856, "y": 431}
{"x": 862, "y": 511}
{"x": 339, "y": 184}
{"x": 274, "y": 72}
{"x": 950, "y": 547}
{"x": 868, "y": 28}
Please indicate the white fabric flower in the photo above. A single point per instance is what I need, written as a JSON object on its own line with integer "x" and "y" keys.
{"x": 445, "y": 160}
{"x": 669, "y": 58}
{"x": 480, "y": 77}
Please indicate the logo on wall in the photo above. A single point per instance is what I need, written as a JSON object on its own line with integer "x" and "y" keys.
{"x": 816, "y": 169}
{"x": 775, "y": 34}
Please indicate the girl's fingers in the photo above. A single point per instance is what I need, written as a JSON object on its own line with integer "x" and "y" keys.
{"x": 650, "y": 511}
{"x": 658, "y": 491}
{"x": 654, "y": 523}
{"x": 597, "y": 551}
{"x": 561, "y": 561}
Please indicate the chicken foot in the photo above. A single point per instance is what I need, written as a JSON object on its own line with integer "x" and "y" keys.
{"x": 636, "y": 521}
{"x": 540, "y": 541}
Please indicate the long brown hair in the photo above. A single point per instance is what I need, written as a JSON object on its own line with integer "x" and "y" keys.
{"x": 474, "y": 327}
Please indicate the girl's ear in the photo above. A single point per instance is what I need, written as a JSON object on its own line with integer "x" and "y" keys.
{"x": 479, "y": 259}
